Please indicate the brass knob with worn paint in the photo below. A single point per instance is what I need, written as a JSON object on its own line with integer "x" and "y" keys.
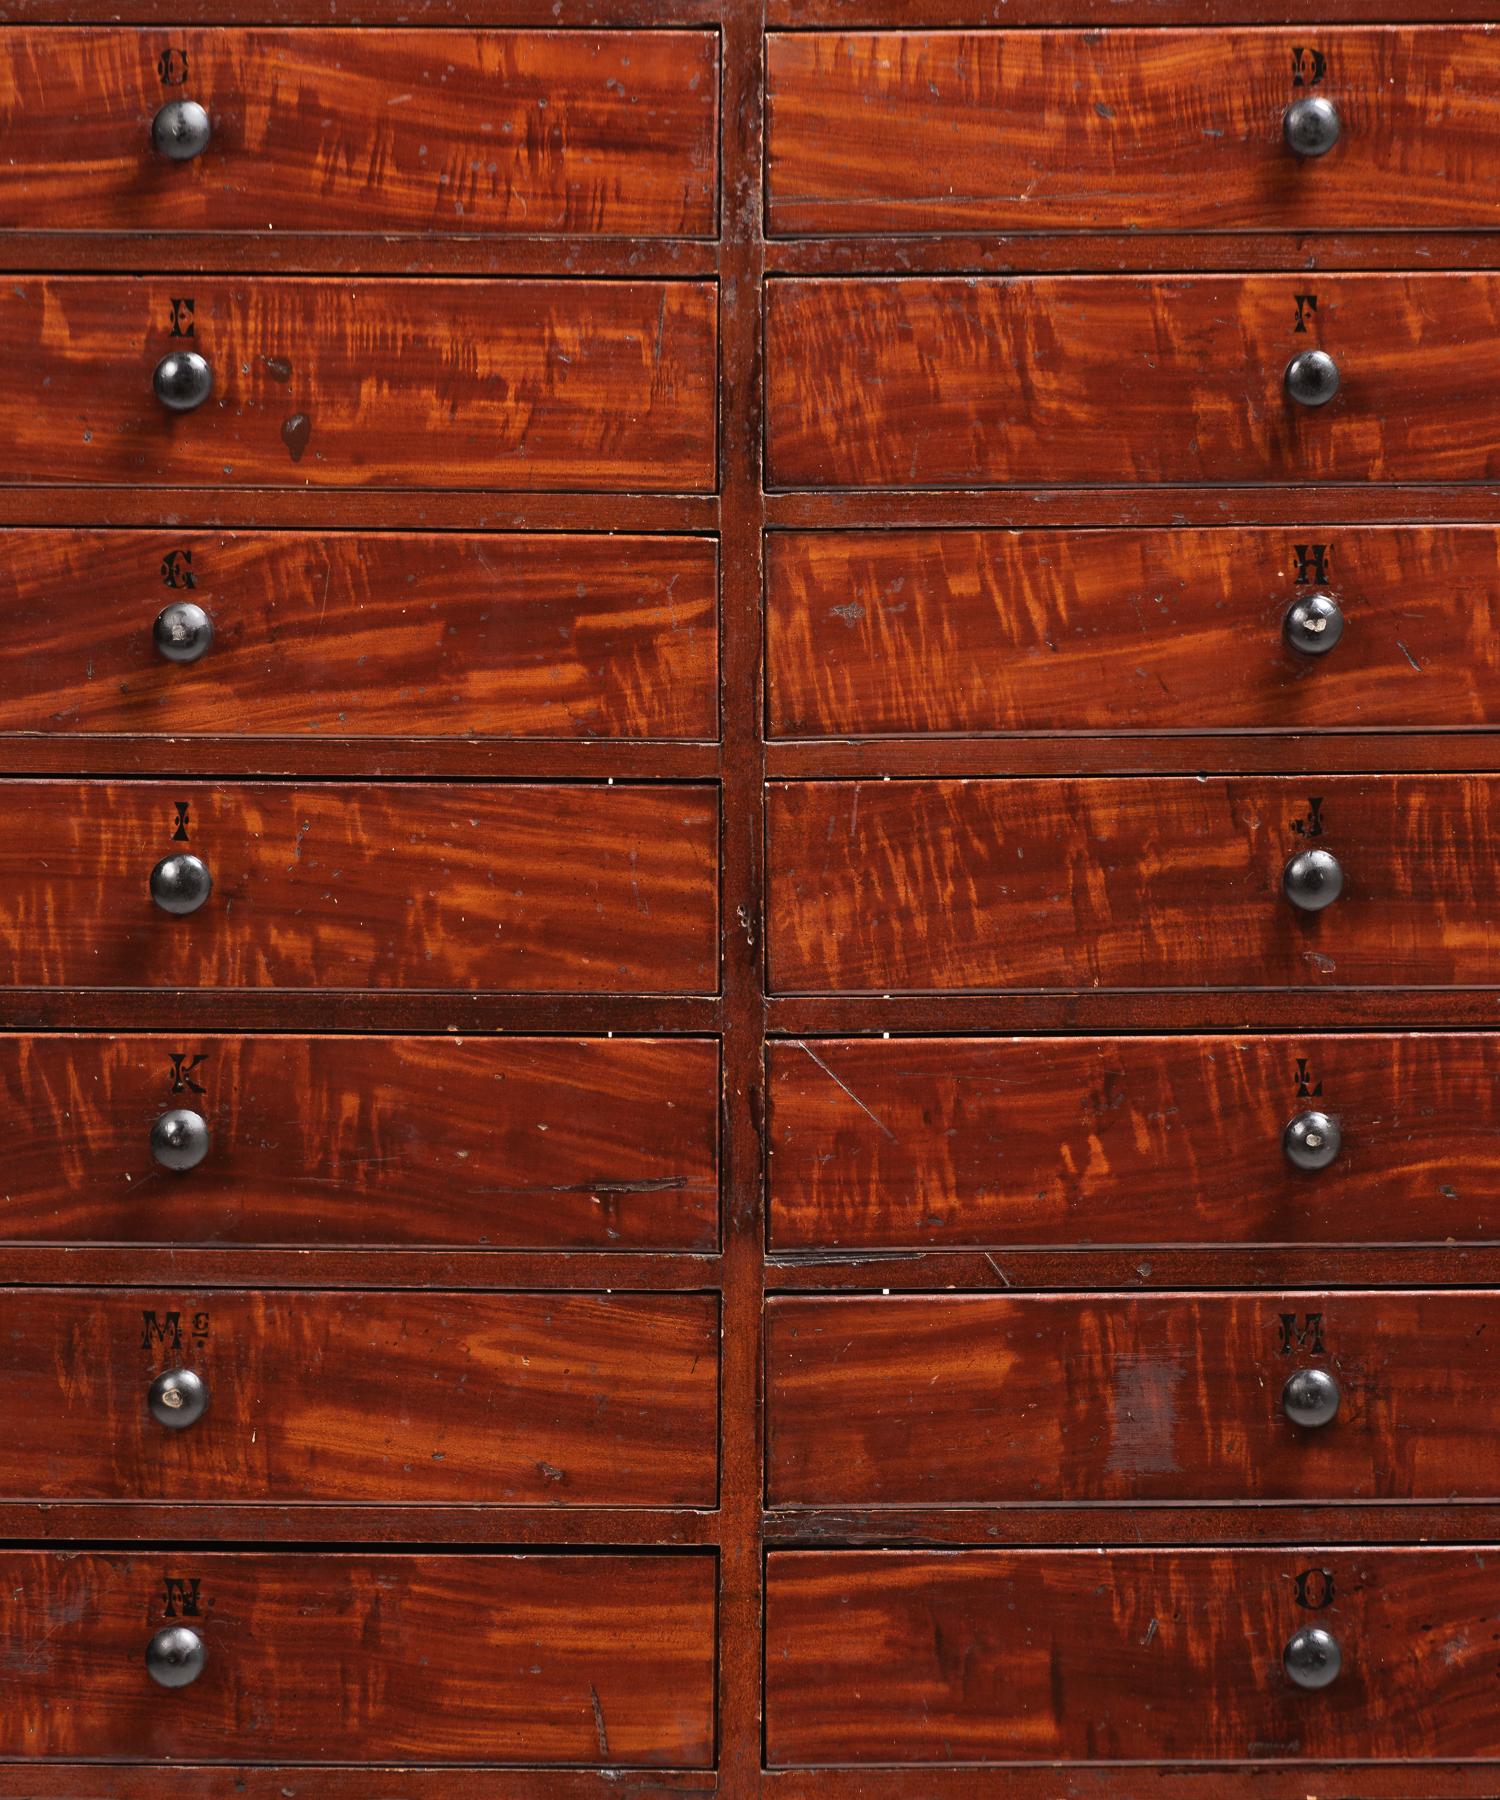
{"x": 178, "y": 1398}
{"x": 1312, "y": 880}
{"x": 183, "y": 380}
{"x": 179, "y": 1139}
{"x": 181, "y": 130}
{"x": 1312, "y": 1658}
{"x": 1313, "y": 624}
{"x": 175, "y": 1656}
{"x": 180, "y": 884}
{"x": 1312, "y": 1140}
{"x": 1312, "y": 378}
{"x": 1311, "y": 126}
{"x": 183, "y": 632}
{"x": 1310, "y": 1398}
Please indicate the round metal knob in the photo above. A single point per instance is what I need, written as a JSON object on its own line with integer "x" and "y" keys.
{"x": 1312, "y": 1658}
{"x": 174, "y": 1657}
{"x": 178, "y": 1399}
{"x": 179, "y": 1139}
{"x": 181, "y": 130}
{"x": 1312, "y": 880}
{"x": 183, "y": 380}
{"x": 183, "y": 632}
{"x": 1312, "y": 1140}
{"x": 1311, "y": 126}
{"x": 180, "y": 884}
{"x": 1310, "y": 1398}
{"x": 1312, "y": 379}
{"x": 1313, "y": 624}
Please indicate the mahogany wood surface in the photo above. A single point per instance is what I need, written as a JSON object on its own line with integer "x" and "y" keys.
{"x": 488, "y": 1399}
{"x": 1108, "y": 379}
{"x": 893, "y": 632}
{"x": 1170, "y": 883}
{"x": 354, "y": 634}
{"x": 888, "y": 1143}
{"x": 364, "y": 130}
{"x": 367, "y": 1658}
{"x": 524, "y": 888}
{"x": 913, "y": 1400}
{"x": 1128, "y": 130}
{"x": 594, "y": 386}
{"x": 1152, "y": 1656}
{"x": 479, "y": 1143}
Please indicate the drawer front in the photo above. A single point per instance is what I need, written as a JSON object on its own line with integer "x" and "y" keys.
{"x": 478, "y": 1143}
{"x": 935, "y": 1400}
{"x": 356, "y": 1397}
{"x": 604, "y": 1660}
{"x": 875, "y": 633}
{"x": 542, "y": 133}
{"x": 941, "y": 1143}
{"x": 1124, "y": 1656}
{"x": 1145, "y": 883}
{"x": 595, "y": 385}
{"x": 358, "y": 634}
{"x": 915, "y": 132}
{"x": 1129, "y": 379}
{"x": 326, "y": 886}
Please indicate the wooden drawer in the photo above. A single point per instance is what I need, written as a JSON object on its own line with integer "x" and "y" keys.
{"x": 476, "y": 1143}
{"x": 542, "y": 133}
{"x": 964, "y": 382}
{"x": 1173, "y": 882}
{"x": 881, "y": 633}
{"x": 353, "y": 1397}
{"x": 915, "y": 132}
{"x": 980, "y": 1399}
{"x": 907, "y": 1143}
{"x": 593, "y": 385}
{"x": 584, "y": 1659}
{"x": 323, "y": 886}
{"x": 1124, "y": 1656}
{"x": 360, "y": 634}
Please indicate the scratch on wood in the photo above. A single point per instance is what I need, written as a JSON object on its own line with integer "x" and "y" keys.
{"x": 599, "y": 1722}
{"x": 798, "y": 1044}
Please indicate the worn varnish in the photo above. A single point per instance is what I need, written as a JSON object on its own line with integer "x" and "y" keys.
{"x": 362, "y": 885}
{"x": 413, "y": 1398}
{"x": 596, "y": 1659}
{"x": 479, "y": 1142}
{"x": 403, "y": 634}
{"x": 911, "y": 1400}
{"x": 1128, "y": 379}
{"x": 891, "y": 1143}
{"x": 1166, "y": 130}
{"x": 1166, "y": 883}
{"x": 595, "y": 385}
{"x": 1156, "y": 1656}
{"x": 494, "y": 132}
{"x": 887, "y": 632}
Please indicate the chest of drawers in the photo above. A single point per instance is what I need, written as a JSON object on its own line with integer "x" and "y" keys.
{"x": 749, "y": 794}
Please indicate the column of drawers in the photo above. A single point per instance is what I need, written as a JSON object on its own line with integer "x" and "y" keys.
{"x": 359, "y": 972}
{"x": 1131, "y": 598}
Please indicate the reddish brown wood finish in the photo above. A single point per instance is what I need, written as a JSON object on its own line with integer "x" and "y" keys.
{"x": 1137, "y": 884}
{"x": 945, "y": 1142}
{"x": 599, "y": 386}
{"x": 351, "y": 1659}
{"x": 950, "y": 1399}
{"x": 1031, "y": 1656}
{"x": 1086, "y": 379}
{"x": 542, "y": 132}
{"x": 484, "y": 1399}
{"x": 891, "y": 632}
{"x": 1128, "y": 131}
{"x": 532, "y": 889}
{"x": 346, "y": 634}
{"x": 481, "y": 1143}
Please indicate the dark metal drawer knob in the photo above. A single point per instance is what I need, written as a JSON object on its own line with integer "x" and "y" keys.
{"x": 1312, "y": 1140}
{"x": 1310, "y": 1398}
{"x": 1313, "y": 624}
{"x": 183, "y": 632}
{"x": 1312, "y": 880}
{"x": 180, "y": 884}
{"x": 181, "y": 130}
{"x": 178, "y": 1399}
{"x": 1312, "y": 379}
{"x": 174, "y": 1657}
{"x": 183, "y": 380}
{"x": 1312, "y": 1658}
{"x": 1311, "y": 126}
{"x": 179, "y": 1139}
